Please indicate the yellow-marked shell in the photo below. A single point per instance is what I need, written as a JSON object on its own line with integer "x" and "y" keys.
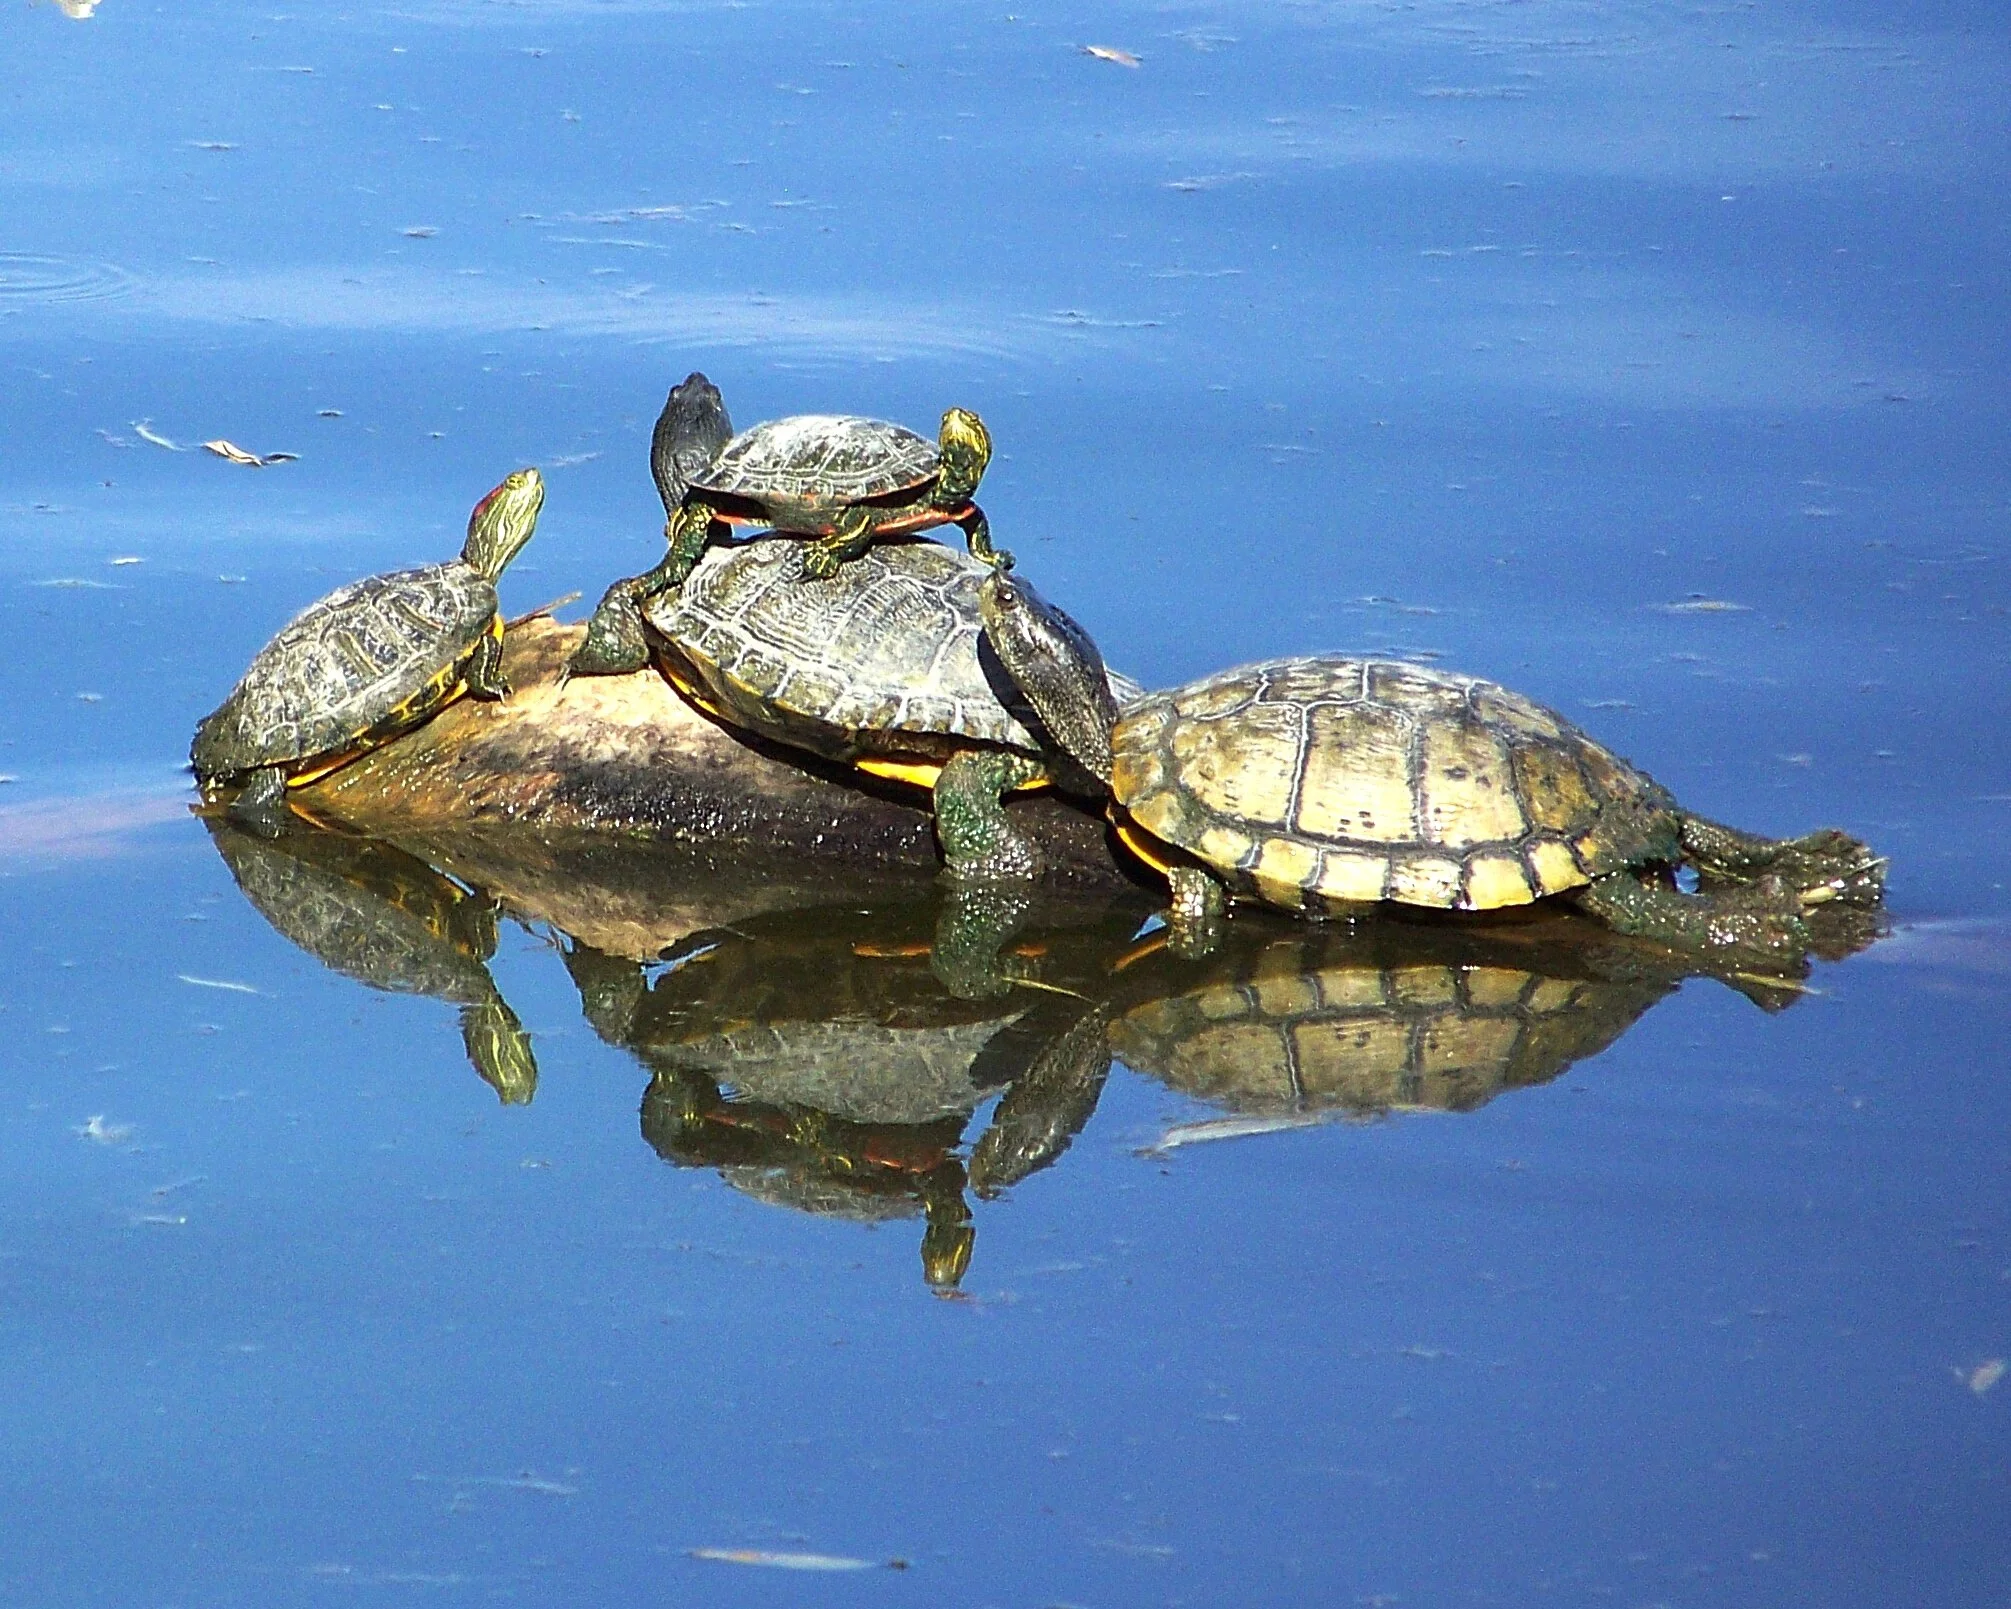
{"x": 1320, "y": 783}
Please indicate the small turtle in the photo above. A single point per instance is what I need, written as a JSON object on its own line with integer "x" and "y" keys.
{"x": 877, "y": 666}
{"x": 1324, "y": 785}
{"x": 376, "y": 914}
{"x": 841, "y": 479}
{"x": 369, "y": 661}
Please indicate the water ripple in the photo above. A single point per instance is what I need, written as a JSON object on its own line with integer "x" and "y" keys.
{"x": 31, "y": 277}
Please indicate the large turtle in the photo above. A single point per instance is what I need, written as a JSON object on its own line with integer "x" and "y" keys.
{"x": 1326, "y": 784}
{"x": 835, "y": 477}
{"x": 367, "y": 662}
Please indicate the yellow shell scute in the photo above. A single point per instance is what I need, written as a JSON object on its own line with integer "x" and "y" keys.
{"x": 1353, "y": 1063}
{"x": 1223, "y": 1003}
{"x": 1348, "y": 988}
{"x": 1554, "y": 867}
{"x": 1352, "y": 875}
{"x": 1431, "y": 880}
{"x": 1552, "y": 995}
{"x": 1499, "y": 707}
{"x": 1461, "y": 1049}
{"x": 1357, "y": 785}
{"x": 1285, "y": 994}
{"x": 1245, "y": 768}
{"x": 1494, "y": 988}
{"x": 1553, "y": 789}
{"x": 1162, "y": 814}
{"x": 1432, "y": 986}
{"x": 1430, "y": 695}
{"x": 1284, "y": 870}
{"x": 1135, "y": 772}
{"x": 1214, "y": 698}
{"x": 1224, "y": 846}
{"x": 1468, "y": 787}
{"x": 1493, "y": 881}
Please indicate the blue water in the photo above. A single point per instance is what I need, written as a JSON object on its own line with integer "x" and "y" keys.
{"x": 1501, "y": 335}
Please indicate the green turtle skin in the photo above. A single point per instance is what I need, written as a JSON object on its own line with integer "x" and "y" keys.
{"x": 389, "y": 921}
{"x": 368, "y": 661}
{"x": 1326, "y": 784}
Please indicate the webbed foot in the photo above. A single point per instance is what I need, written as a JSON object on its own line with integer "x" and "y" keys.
{"x": 1757, "y": 925}
{"x": 616, "y": 640}
{"x": 1200, "y": 907}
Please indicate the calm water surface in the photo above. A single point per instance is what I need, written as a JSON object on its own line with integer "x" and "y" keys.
{"x": 1651, "y": 360}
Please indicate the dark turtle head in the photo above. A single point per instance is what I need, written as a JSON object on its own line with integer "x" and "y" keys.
{"x": 689, "y": 433}
{"x": 1055, "y": 664}
{"x": 503, "y": 522}
{"x": 965, "y": 447}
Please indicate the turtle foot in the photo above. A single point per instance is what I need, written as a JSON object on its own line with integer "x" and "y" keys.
{"x": 1756, "y": 926}
{"x": 616, "y": 642}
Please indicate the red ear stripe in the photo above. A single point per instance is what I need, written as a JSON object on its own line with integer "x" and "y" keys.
{"x": 482, "y": 508}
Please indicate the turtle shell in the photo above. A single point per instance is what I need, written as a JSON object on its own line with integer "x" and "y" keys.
{"x": 1391, "y": 1022}
{"x": 880, "y": 659}
{"x": 812, "y": 463}
{"x": 354, "y": 667}
{"x": 1324, "y": 783}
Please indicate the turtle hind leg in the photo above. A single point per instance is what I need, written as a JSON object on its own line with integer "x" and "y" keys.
{"x": 261, "y": 803}
{"x": 1758, "y": 926}
{"x": 1820, "y": 866}
{"x": 972, "y": 930}
{"x": 616, "y": 642}
{"x": 980, "y": 843}
{"x": 1195, "y": 917}
{"x": 851, "y": 534}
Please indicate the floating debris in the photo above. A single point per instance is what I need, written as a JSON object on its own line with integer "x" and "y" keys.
{"x": 420, "y": 231}
{"x": 142, "y": 429}
{"x": 1985, "y": 1375}
{"x": 99, "y": 1132}
{"x": 1227, "y": 1128}
{"x": 237, "y": 455}
{"x": 216, "y": 983}
{"x": 790, "y": 1561}
{"x": 1698, "y": 604}
{"x": 1123, "y": 58}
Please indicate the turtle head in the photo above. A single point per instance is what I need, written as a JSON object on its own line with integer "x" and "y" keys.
{"x": 689, "y": 433}
{"x": 503, "y": 522}
{"x": 965, "y": 447}
{"x": 1055, "y": 665}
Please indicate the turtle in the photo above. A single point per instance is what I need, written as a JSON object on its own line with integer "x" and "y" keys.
{"x": 1281, "y": 1028}
{"x": 366, "y": 662}
{"x": 816, "y": 1058}
{"x": 838, "y": 478}
{"x": 374, "y": 913}
{"x": 1327, "y": 784}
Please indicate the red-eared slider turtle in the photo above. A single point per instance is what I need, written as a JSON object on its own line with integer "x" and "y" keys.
{"x": 367, "y": 662}
{"x": 878, "y": 666}
{"x": 817, "y": 1060}
{"x": 1325, "y": 784}
{"x": 835, "y": 477}
{"x": 378, "y": 915}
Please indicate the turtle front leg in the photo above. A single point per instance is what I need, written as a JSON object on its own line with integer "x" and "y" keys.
{"x": 616, "y": 642}
{"x": 978, "y": 538}
{"x": 1821, "y": 866}
{"x": 851, "y": 534}
{"x": 1758, "y": 926}
{"x": 980, "y": 843}
{"x": 261, "y": 803}
{"x": 1199, "y": 909}
{"x": 687, "y": 532}
{"x": 975, "y": 924}
{"x": 485, "y": 669}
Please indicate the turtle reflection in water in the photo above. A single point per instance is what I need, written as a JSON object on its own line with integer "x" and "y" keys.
{"x": 388, "y": 920}
{"x": 817, "y": 1060}
{"x": 1387, "y": 1017}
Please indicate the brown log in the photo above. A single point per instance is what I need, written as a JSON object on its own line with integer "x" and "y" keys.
{"x": 626, "y": 757}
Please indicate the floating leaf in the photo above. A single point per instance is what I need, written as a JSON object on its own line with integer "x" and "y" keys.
{"x": 1986, "y": 1375}
{"x": 1123, "y": 58}
{"x": 781, "y": 1561}
{"x": 237, "y": 455}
